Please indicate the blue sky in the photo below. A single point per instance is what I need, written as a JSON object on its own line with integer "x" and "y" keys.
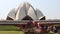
{"x": 50, "y": 8}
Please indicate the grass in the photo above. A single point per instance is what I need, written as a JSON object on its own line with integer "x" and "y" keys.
{"x": 11, "y": 32}
{"x": 16, "y": 32}
{"x": 9, "y": 28}
{"x": 51, "y": 33}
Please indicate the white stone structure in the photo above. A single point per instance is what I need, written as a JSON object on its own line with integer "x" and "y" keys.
{"x": 25, "y": 12}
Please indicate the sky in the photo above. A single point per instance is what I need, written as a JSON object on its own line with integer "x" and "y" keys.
{"x": 50, "y": 8}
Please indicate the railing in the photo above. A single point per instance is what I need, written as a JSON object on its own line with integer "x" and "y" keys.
{"x": 26, "y": 21}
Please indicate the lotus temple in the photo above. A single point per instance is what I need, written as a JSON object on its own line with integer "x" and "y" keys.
{"x": 25, "y": 11}
{"x": 30, "y": 19}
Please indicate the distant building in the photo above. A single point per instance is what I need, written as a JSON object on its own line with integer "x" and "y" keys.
{"x": 25, "y": 11}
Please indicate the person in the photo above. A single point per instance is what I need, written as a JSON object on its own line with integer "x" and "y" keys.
{"x": 58, "y": 31}
{"x": 55, "y": 30}
{"x": 34, "y": 23}
{"x": 51, "y": 29}
{"x": 29, "y": 24}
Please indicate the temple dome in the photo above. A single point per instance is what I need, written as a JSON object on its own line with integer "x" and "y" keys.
{"x": 25, "y": 11}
